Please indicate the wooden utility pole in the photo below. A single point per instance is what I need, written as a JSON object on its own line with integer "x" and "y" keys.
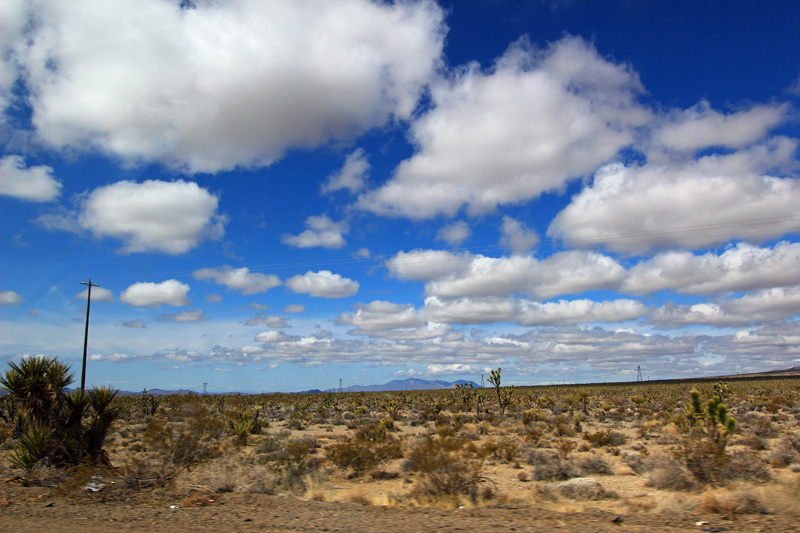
{"x": 86, "y": 331}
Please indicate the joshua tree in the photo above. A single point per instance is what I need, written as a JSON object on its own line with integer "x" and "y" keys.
{"x": 51, "y": 426}
{"x": 504, "y": 395}
{"x": 709, "y": 427}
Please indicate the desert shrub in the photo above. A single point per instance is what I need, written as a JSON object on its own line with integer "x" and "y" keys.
{"x": 528, "y": 416}
{"x": 534, "y": 432}
{"x": 292, "y": 462}
{"x": 591, "y": 463}
{"x": 746, "y": 465}
{"x": 563, "y": 429}
{"x": 732, "y": 503}
{"x": 444, "y": 472}
{"x": 644, "y": 462}
{"x": 783, "y": 453}
{"x": 583, "y": 488}
{"x": 503, "y": 450}
{"x": 670, "y": 475}
{"x": 549, "y": 465}
{"x": 761, "y": 425}
{"x": 752, "y": 441}
{"x": 606, "y": 437}
{"x": 366, "y": 449}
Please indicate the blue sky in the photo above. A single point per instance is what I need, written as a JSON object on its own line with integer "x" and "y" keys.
{"x": 274, "y": 196}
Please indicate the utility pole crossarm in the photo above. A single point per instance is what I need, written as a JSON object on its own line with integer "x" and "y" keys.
{"x": 86, "y": 331}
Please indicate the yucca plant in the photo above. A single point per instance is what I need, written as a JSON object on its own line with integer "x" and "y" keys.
{"x": 50, "y": 423}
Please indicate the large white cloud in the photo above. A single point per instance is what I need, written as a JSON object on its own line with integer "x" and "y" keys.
{"x": 169, "y": 217}
{"x": 688, "y": 204}
{"x": 562, "y": 273}
{"x": 492, "y": 309}
{"x": 323, "y": 284}
{"x": 34, "y": 184}
{"x": 538, "y": 119}
{"x": 757, "y": 307}
{"x": 743, "y": 267}
{"x": 220, "y": 84}
{"x": 239, "y": 279}
{"x": 146, "y": 294}
{"x": 322, "y": 232}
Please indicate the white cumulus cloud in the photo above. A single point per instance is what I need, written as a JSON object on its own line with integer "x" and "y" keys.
{"x": 10, "y": 298}
{"x": 700, "y": 127}
{"x": 218, "y": 84}
{"x": 238, "y": 279}
{"x": 381, "y": 315}
{"x": 169, "y": 217}
{"x": 99, "y": 294}
{"x": 323, "y": 284}
{"x": 146, "y": 294}
{"x": 536, "y": 120}
{"x": 322, "y": 232}
{"x": 426, "y": 265}
{"x": 34, "y": 184}
{"x": 686, "y": 204}
{"x": 743, "y": 267}
{"x": 562, "y": 273}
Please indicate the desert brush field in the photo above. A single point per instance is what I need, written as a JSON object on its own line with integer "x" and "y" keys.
{"x": 705, "y": 455}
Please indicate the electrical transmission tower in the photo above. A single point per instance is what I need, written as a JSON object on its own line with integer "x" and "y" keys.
{"x": 639, "y": 373}
{"x": 340, "y": 384}
{"x": 205, "y": 387}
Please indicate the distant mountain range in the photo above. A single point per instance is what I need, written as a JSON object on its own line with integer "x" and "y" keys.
{"x": 396, "y": 385}
{"x": 402, "y": 384}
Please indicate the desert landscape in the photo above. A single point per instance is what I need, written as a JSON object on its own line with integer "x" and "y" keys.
{"x": 709, "y": 455}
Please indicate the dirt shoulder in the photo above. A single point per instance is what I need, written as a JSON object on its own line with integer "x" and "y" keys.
{"x": 24, "y": 510}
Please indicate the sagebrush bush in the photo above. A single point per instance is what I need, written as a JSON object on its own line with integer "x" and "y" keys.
{"x": 606, "y": 437}
{"x": 670, "y": 476}
{"x": 444, "y": 471}
{"x": 593, "y": 464}
{"x": 746, "y": 465}
{"x": 551, "y": 466}
{"x": 370, "y": 446}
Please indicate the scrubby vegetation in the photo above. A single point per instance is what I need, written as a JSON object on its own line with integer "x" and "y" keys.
{"x": 632, "y": 447}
